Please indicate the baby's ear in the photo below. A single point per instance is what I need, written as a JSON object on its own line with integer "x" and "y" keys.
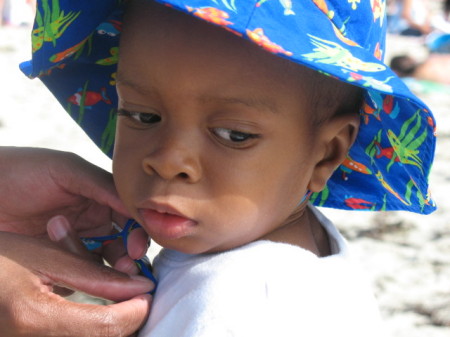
{"x": 335, "y": 137}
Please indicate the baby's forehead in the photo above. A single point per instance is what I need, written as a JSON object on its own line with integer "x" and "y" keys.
{"x": 186, "y": 41}
{"x": 148, "y": 23}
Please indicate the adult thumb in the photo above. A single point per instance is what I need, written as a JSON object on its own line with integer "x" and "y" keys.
{"x": 100, "y": 281}
{"x": 115, "y": 320}
{"x": 120, "y": 319}
{"x": 62, "y": 268}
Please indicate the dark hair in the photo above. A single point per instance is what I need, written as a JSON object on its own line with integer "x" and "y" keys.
{"x": 447, "y": 7}
{"x": 331, "y": 97}
{"x": 327, "y": 96}
{"x": 403, "y": 65}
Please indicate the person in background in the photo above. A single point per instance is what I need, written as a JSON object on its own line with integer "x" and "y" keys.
{"x": 4, "y": 12}
{"x": 409, "y": 17}
{"x": 435, "y": 68}
{"x": 438, "y": 41}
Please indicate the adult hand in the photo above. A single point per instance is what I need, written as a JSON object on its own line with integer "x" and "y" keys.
{"x": 30, "y": 267}
{"x": 37, "y": 184}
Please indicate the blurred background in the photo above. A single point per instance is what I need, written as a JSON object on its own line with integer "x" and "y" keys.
{"x": 406, "y": 256}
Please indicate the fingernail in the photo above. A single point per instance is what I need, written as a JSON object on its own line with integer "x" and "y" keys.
{"x": 142, "y": 279}
{"x": 57, "y": 228}
{"x": 147, "y": 285}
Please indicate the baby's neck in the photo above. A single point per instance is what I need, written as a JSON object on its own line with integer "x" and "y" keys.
{"x": 303, "y": 229}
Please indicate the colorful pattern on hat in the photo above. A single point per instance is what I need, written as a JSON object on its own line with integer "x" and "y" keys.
{"x": 75, "y": 53}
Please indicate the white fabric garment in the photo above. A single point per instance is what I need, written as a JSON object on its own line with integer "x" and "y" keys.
{"x": 262, "y": 289}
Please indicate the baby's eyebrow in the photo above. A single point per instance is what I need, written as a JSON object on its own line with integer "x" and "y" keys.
{"x": 251, "y": 102}
{"x": 124, "y": 81}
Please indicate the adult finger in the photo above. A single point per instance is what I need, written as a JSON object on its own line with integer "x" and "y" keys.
{"x": 138, "y": 243}
{"x": 51, "y": 315}
{"x": 121, "y": 258}
{"x": 126, "y": 265}
{"x": 120, "y": 319}
{"x": 98, "y": 280}
{"x": 66, "y": 269}
{"x": 59, "y": 230}
{"x": 29, "y": 308}
{"x": 92, "y": 182}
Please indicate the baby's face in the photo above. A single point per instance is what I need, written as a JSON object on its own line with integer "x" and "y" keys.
{"x": 213, "y": 145}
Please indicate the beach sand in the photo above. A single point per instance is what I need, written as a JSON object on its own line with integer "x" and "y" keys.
{"x": 406, "y": 256}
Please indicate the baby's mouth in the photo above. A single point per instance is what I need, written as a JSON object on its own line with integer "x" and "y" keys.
{"x": 165, "y": 223}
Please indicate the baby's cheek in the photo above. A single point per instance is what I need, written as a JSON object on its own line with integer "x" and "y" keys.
{"x": 249, "y": 214}
{"x": 124, "y": 186}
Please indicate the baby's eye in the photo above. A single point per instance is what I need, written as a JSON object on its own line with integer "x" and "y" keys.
{"x": 141, "y": 117}
{"x": 233, "y": 136}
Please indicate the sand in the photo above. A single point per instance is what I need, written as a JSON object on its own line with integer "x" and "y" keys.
{"x": 406, "y": 256}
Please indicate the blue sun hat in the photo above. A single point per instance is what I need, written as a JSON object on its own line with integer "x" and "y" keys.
{"x": 75, "y": 54}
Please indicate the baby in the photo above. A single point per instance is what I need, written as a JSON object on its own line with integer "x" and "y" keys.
{"x": 222, "y": 145}
{"x": 216, "y": 149}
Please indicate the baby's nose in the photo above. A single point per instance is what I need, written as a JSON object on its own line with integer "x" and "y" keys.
{"x": 174, "y": 157}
